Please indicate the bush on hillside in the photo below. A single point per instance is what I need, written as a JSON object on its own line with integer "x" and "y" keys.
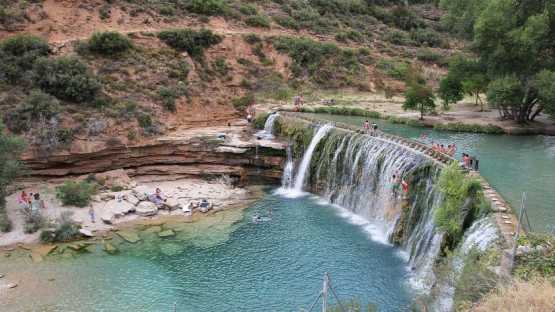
{"x": 248, "y": 9}
{"x": 429, "y": 55}
{"x": 66, "y": 78}
{"x": 208, "y": 7}
{"x": 426, "y": 37}
{"x": 73, "y": 193}
{"x": 65, "y": 230}
{"x": 37, "y": 106}
{"x": 258, "y": 21}
{"x": 18, "y": 55}
{"x": 252, "y": 38}
{"x": 168, "y": 97}
{"x": 287, "y": 22}
{"x": 398, "y": 37}
{"x": 109, "y": 43}
{"x": 191, "y": 41}
{"x": 404, "y": 18}
{"x": 33, "y": 221}
{"x": 352, "y": 35}
{"x": 241, "y": 103}
{"x": 394, "y": 69}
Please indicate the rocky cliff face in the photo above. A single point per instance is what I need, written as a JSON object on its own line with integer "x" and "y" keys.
{"x": 200, "y": 152}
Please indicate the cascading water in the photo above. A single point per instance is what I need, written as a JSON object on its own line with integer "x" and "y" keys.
{"x": 267, "y": 133}
{"x": 300, "y": 178}
{"x": 287, "y": 178}
{"x": 356, "y": 171}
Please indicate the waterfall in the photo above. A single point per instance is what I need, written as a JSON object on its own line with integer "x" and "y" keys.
{"x": 287, "y": 178}
{"x": 355, "y": 171}
{"x": 307, "y": 157}
{"x": 267, "y": 133}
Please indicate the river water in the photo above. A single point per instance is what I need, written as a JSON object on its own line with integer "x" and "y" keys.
{"x": 511, "y": 164}
{"x": 225, "y": 263}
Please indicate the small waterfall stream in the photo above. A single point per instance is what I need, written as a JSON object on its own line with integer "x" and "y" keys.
{"x": 268, "y": 132}
{"x": 287, "y": 178}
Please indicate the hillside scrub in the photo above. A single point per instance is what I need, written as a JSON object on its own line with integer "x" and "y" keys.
{"x": 10, "y": 150}
{"x": 323, "y": 63}
{"x": 191, "y": 41}
{"x": 37, "y": 106}
{"x": 18, "y": 55}
{"x": 109, "y": 43}
{"x": 77, "y": 194}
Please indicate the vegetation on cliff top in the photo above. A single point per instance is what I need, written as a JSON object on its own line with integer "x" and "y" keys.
{"x": 10, "y": 150}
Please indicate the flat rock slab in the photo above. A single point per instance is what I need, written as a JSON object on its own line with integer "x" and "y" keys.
{"x": 166, "y": 233}
{"x": 129, "y": 236}
{"x": 45, "y": 250}
{"x": 109, "y": 248}
{"x": 153, "y": 229}
{"x": 77, "y": 246}
{"x": 146, "y": 209}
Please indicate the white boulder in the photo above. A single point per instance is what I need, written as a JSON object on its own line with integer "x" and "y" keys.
{"x": 146, "y": 208}
{"x": 141, "y": 192}
{"x": 132, "y": 199}
{"x": 86, "y": 232}
{"x": 172, "y": 204}
{"x": 107, "y": 218}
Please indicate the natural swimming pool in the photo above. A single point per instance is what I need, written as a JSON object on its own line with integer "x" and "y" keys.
{"x": 511, "y": 164}
{"x": 226, "y": 262}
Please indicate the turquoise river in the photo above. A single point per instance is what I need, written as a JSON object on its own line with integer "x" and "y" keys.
{"x": 511, "y": 164}
{"x": 225, "y": 262}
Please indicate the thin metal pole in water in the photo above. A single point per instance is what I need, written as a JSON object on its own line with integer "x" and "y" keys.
{"x": 335, "y": 294}
{"x": 517, "y": 234}
{"x": 325, "y": 293}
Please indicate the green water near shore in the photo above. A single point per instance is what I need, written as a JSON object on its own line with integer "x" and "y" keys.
{"x": 223, "y": 262}
{"x": 511, "y": 164}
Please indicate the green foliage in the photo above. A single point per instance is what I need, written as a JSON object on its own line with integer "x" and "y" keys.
{"x": 241, "y": 103}
{"x": 18, "y": 55}
{"x": 404, "y": 18}
{"x": 145, "y": 121}
{"x": 66, "y": 78}
{"x": 461, "y": 198}
{"x": 258, "y": 21}
{"x": 287, "y": 22}
{"x": 419, "y": 97}
{"x": 33, "y": 221}
{"x": 10, "y": 151}
{"x": 352, "y": 305}
{"x": 515, "y": 43}
{"x": 65, "y": 230}
{"x": 191, "y": 41}
{"x": 426, "y": 37}
{"x": 260, "y": 120}
{"x": 476, "y": 278}
{"x": 36, "y": 107}
{"x": 398, "y": 37}
{"x": 429, "y": 55}
{"x": 252, "y": 38}
{"x": 109, "y": 43}
{"x": 248, "y": 9}
{"x": 540, "y": 262}
{"x": 351, "y": 35}
{"x": 73, "y": 193}
{"x": 394, "y": 69}
{"x": 208, "y": 7}
{"x": 473, "y": 128}
{"x": 324, "y": 63}
{"x": 168, "y": 97}
{"x": 450, "y": 91}
{"x": 221, "y": 66}
{"x": 461, "y": 15}
{"x": 342, "y": 110}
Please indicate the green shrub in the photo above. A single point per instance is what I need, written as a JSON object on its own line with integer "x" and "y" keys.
{"x": 191, "y": 41}
{"x": 37, "y": 106}
{"x": 66, "y": 78}
{"x": 73, "y": 193}
{"x": 474, "y": 128}
{"x": 168, "y": 97}
{"x": 394, "y": 69}
{"x": 429, "y": 55}
{"x": 252, "y": 38}
{"x": 398, "y": 37}
{"x": 33, "y": 221}
{"x": 404, "y": 18}
{"x": 167, "y": 10}
{"x": 221, "y": 66}
{"x": 109, "y": 43}
{"x": 462, "y": 196}
{"x": 18, "y": 55}
{"x": 5, "y": 223}
{"x": 248, "y": 9}
{"x": 344, "y": 110}
{"x": 241, "y": 103}
{"x": 208, "y": 7}
{"x": 65, "y": 230}
{"x": 426, "y": 37}
{"x": 349, "y": 36}
{"x": 260, "y": 120}
{"x": 258, "y": 21}
{"x": 287, "y": 22}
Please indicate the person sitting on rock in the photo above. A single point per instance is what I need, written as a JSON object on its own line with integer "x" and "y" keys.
{"x": 157, "y": 198}
{"x": 24, "y": 200}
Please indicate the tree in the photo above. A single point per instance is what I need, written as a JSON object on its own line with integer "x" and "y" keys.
{"x": 419, "y": 97}
{"x": 475, "y": 84}
{"x": 10, "y": 150}
{"x": 515, "y": 41}
{"x": 450, "y": 91}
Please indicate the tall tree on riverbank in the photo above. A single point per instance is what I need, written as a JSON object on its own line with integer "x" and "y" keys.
{"x": 515, "y": 44}
{"x": 10, "y": 151}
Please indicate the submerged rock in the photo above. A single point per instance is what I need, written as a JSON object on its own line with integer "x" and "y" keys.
{"x": 77, "y": 246}
{"x": 109, "y": 248}
{"x": 45, "y": 250}
{"x": 166, "y": 233}
{"x": 171, "y": 249}
{"x": 129, "y": 236}
{"x": 153, "y": 229}
{"x": 146, "y": 209}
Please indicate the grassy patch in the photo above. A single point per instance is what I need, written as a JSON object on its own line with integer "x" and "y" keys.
{"x": 73, "y": 193}
{"x": 192, "y": 41}
{"x": 474, "y": 128}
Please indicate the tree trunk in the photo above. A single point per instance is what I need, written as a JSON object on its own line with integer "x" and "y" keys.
{"x": 536, "y": 113}
{"x": 421, "y": 111}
